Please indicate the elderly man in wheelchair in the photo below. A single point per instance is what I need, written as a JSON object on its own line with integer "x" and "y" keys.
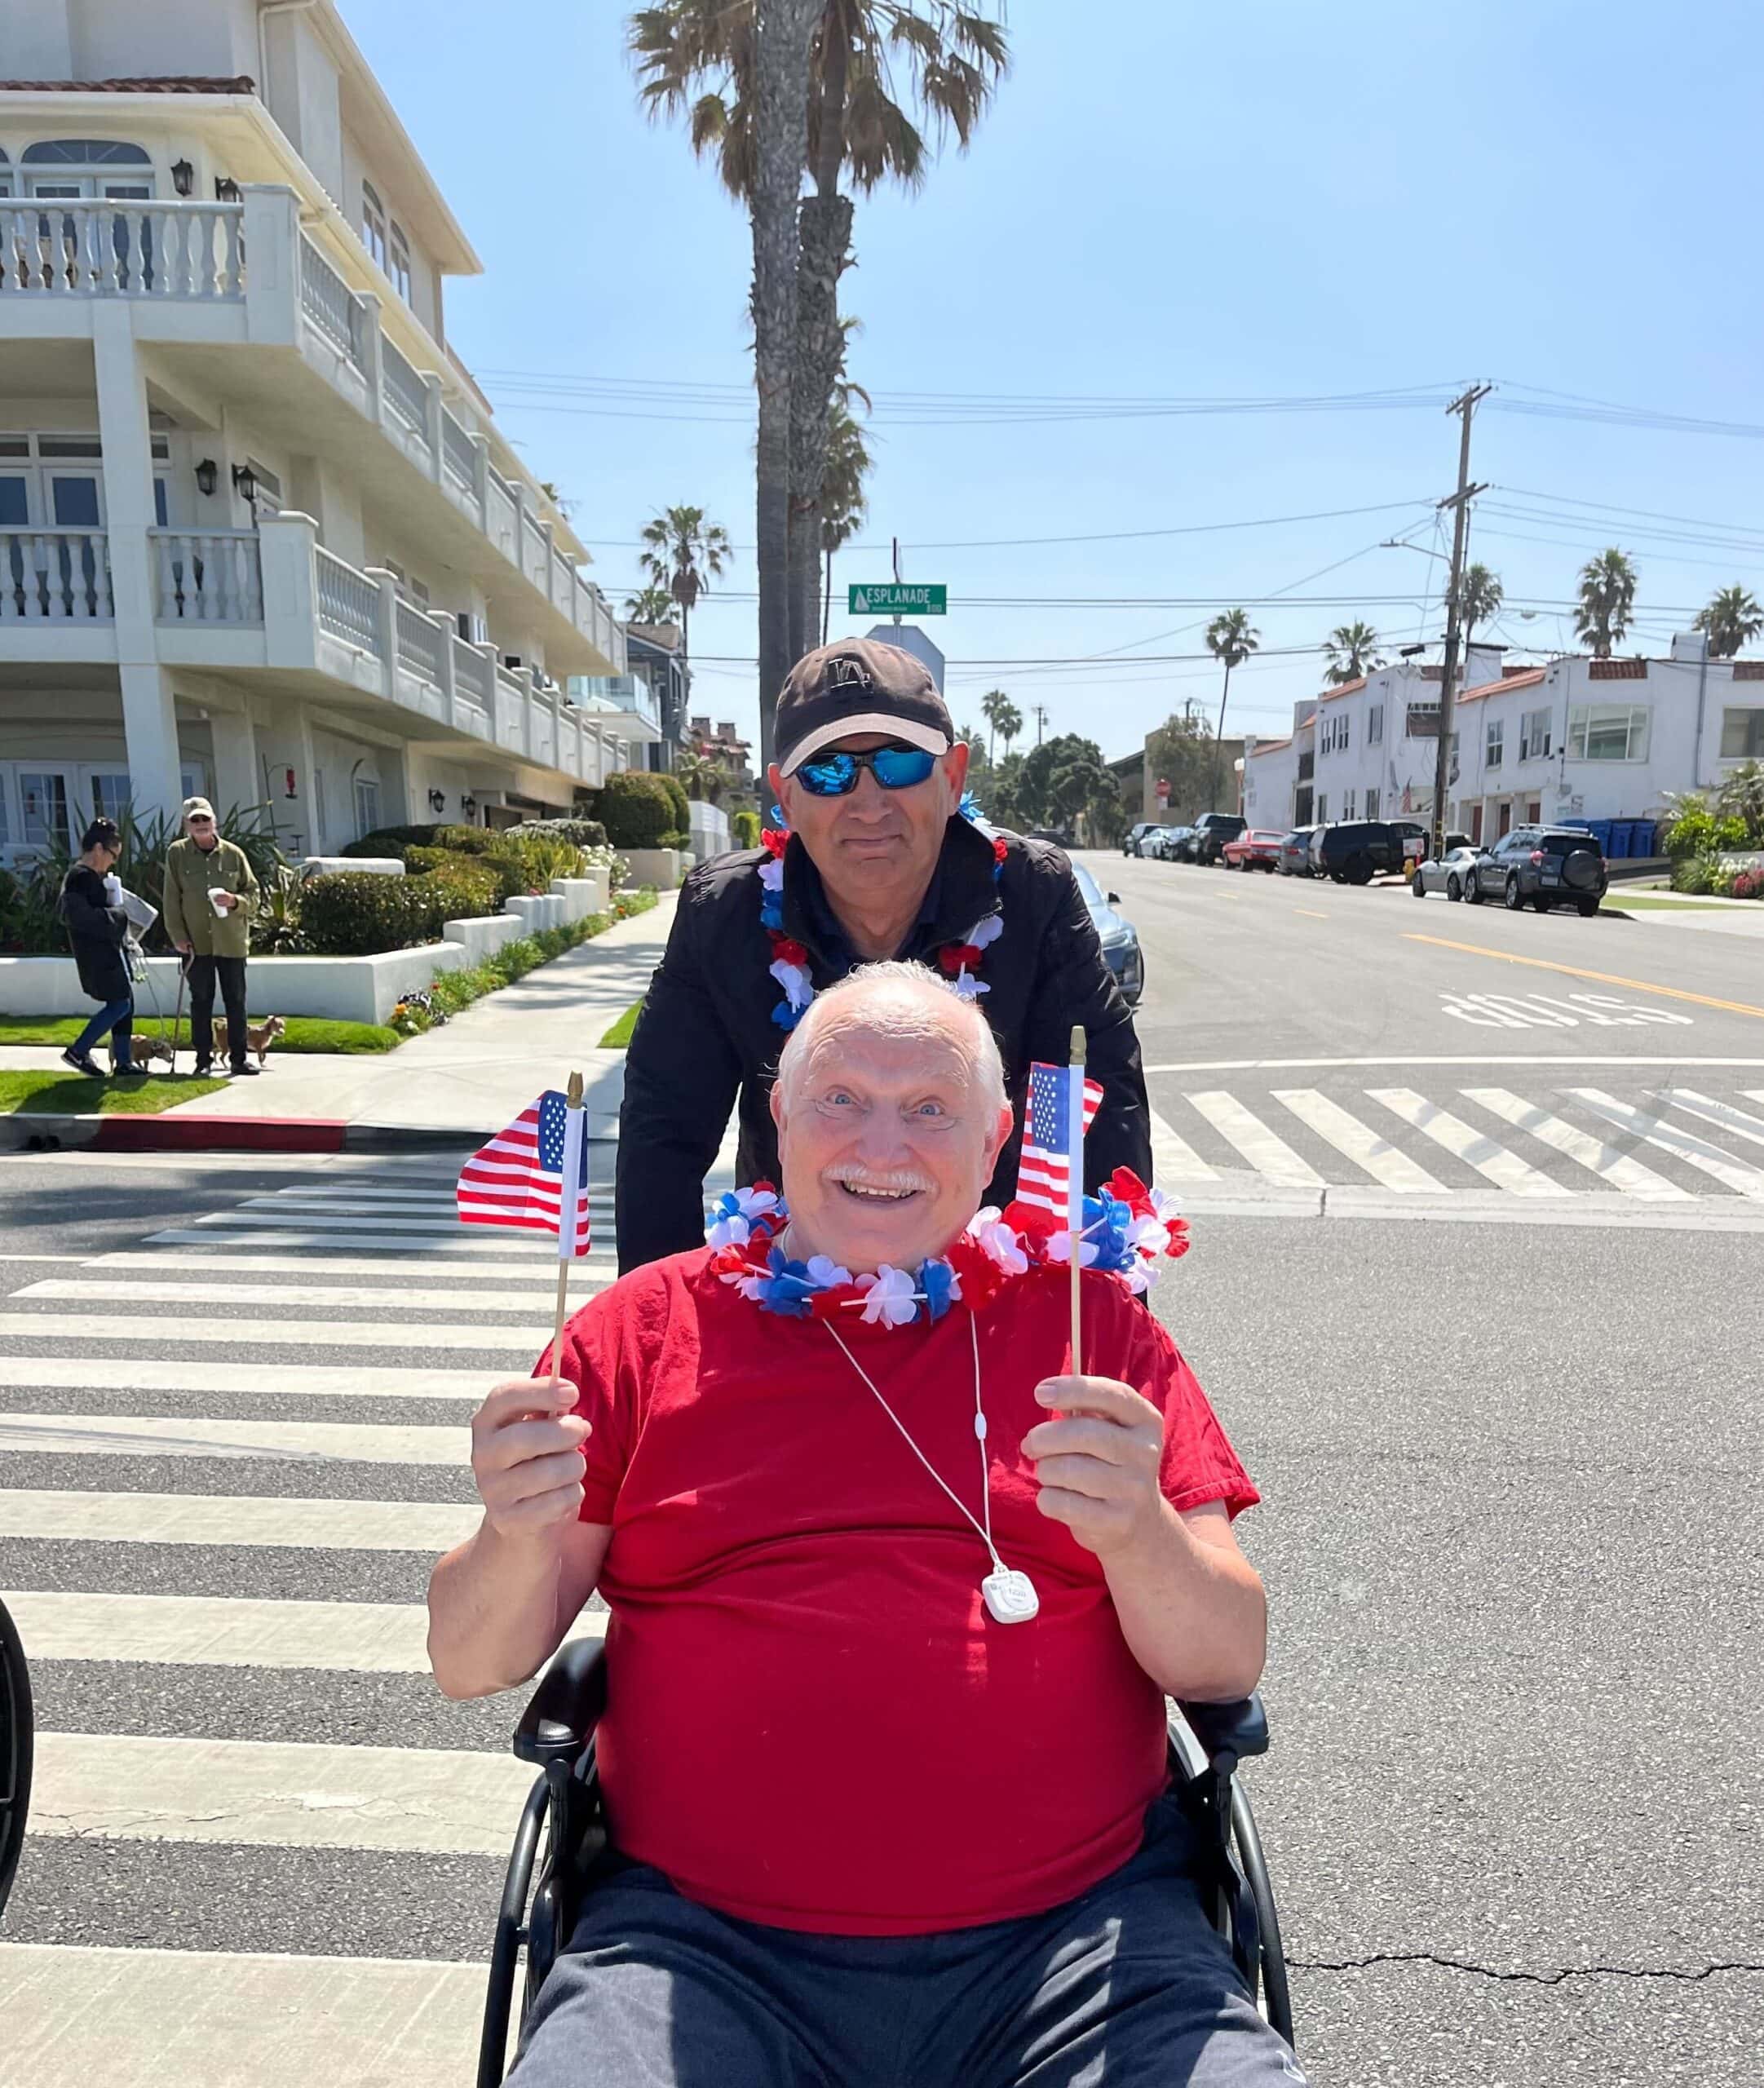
{"x": 873, "y": 1779}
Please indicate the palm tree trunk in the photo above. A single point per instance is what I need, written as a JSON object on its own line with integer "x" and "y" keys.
{"x": 782, "y": 33}
{"x": 1218, "y": 738}
{"x": 826, "y": 602}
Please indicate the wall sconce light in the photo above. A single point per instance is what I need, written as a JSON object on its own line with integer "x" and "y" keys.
{"x": 244, "y": 483}
{"x": 206, "y": 473}
{"x": 182, "y": 177}
{"x": 468, "y": 804}
{"x": 437, "y": 801}
{"x": 227, "y": 190}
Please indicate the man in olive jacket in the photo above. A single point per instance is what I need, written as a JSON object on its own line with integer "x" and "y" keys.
{"x": 214, "y": 943}
{"x": 881, "y": 862}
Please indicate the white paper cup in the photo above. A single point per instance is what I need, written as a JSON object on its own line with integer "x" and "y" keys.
{"x": 216, "y": 893}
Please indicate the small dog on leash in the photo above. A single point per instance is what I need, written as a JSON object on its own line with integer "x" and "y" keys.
{"x": 148, "y": 1049}
{"x": 259, "y": 1036}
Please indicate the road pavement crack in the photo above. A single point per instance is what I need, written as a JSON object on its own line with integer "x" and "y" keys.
{"x": 1689, "y": 1976}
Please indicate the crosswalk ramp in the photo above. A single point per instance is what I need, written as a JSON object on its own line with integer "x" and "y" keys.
{"x": 262, "y": 1846}
{"x": 1655, "y": 1144}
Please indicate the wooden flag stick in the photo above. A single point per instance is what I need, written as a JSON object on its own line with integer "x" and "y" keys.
{"x": 1075, "y": 1189}
{"x": 566, "y": 1193}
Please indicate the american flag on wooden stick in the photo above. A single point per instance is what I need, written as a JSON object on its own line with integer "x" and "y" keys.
{"x": 1052, "y": 1161}
{"x": 520, "y": 1179}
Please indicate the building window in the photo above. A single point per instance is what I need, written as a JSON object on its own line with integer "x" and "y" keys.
{"x": 1347, "y": 806}
{"x": 398, "y": 261}
{"x": 43, "y": 800}
{"x": 1322, "y": 807}
{"x": 374, "y": 223}
{"x": 1742, "y": 735}
{"x": 367, "y": 805}
{"x": 1534, "y": 736}
{"x": 1372, "y": 803}
{"x": 1494, "y": 738}
{"x": 1607, "y": 731}
{"x": 1423, "y": 721}
{"x": 1375, "y": 725}
{"x": 110, "y": 793}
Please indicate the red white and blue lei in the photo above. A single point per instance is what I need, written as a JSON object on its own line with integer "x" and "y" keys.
{"x": 958, "y": 961}
{"x": 1128, "y": 1230}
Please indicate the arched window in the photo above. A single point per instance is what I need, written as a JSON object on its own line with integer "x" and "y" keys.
{"x": 398, "y": 261}
{"x": 86, "y": 152}
{"x": 87, "y": 166}
{"x": 5, "y": 174}
{"x": 373, "y": 222}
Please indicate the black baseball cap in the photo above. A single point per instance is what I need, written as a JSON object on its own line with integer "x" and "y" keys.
{"x": 858, "y": 685}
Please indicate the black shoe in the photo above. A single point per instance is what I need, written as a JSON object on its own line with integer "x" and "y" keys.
{"x": 253, "y": 1071}
{"x": 82, "y": 1063}
{"x": 205, "y": 1068}
{"x": 128, "y": 1070}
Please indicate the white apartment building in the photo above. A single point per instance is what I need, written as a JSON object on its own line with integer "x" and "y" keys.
{"x": 259, "y": 535}
{"x": 1576, "y": 739}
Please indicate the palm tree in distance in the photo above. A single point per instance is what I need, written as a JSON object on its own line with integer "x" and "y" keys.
{"x": 649, "y": 605}
{"x": 1353, "y": 651}
{"x": 1732, "y": 619}
{"x": 1608, "y": 600}
{"x": 993, "y": 705}
{"x": 681, "y": 555}
{"x": 1003, "y": 717}
{"x": 1230, "y": 639}
{"x": 1479, "y": 597}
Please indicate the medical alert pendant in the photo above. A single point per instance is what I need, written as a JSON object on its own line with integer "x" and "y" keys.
{"x": 1009, "y": 1596}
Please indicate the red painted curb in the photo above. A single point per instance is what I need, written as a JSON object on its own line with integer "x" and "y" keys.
{"x": 172, "y": 1134}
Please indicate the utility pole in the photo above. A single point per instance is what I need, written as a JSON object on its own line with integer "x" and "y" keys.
{"x": 1041, "y": 720}
{"x": 1465, "y": 408}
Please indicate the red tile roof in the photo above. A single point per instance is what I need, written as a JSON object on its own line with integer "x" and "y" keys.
{"x": 1521, "y": 678}
{"x": 1346, "y": 689}
{"x": 1616, "y": 670}
{"x": 164, "y": 83}
{"x": 1273, "y": 746}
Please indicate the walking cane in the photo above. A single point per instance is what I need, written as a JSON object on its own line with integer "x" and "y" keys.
{"x": 177, "y": 1018}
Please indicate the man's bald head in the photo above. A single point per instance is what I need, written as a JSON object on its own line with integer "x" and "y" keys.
{"x": 902, "y": 999}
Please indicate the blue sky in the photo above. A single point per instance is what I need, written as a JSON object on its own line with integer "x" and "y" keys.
{"x": 1261, "y": 201}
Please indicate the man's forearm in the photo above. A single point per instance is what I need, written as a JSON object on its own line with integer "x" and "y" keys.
{"x": 493, "y": 1610}
{"x": 1194, "y": 1616}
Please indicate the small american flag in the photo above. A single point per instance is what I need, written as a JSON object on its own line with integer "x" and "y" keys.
{"x": 518, "y": 1179}
{"x": 1052, "y": 1163}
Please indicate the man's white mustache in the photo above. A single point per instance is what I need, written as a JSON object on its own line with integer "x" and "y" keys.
{"x": 892, "y": 1184}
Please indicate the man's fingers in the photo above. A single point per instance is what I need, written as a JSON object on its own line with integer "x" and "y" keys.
{"x": 558, "y": 1504}
{"x": 526, "y": 1396}
{"x": 537, "y": 1476}
{"x": 1103, "y": 1396}
{"x": 1114, "y": 1442}
{"x": 521, "y": 1441}
{"x": 1089, "y": 1476}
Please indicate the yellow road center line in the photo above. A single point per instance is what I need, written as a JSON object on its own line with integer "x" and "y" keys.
{"x": 1603, "y": 978}
{"x": 1309, "y": 915}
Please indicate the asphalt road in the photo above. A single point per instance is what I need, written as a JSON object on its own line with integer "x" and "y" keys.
{"x": 1508, "y": 1531}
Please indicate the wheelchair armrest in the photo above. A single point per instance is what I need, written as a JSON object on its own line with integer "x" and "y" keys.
{"x": 1242, "y": 1726}
{"x": 566, "y": 1705}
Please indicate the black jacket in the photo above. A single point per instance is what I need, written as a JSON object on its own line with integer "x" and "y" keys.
{"x": 96, "y": 930}
{"x": 706, "y": 1034}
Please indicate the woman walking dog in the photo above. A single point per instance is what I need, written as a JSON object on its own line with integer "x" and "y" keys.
{"x": 91, "y": 906}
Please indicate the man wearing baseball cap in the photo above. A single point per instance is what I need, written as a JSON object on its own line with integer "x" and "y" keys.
{"x": 211, "y": 896}
{"x": 880, "y": 861}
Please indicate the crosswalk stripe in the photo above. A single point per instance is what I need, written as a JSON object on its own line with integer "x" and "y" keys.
{"x": 229, "y": 1221}
{"x": 179, "y": 1435}
{"x": 420, "y": 1215}
{"x": 140, "y": 2019}
{"x": 1266, "y": 1151}
{"x": 587, "y": 1276}
{"x": 1694, "y": 1152}
{"x": 1616, "y": 1169}
{"x": 345, "y": 1638}
{"x": 1487, "y": 1156}
{"x": 229, "y": 1380}
{"x": 465, "y": 1249}
{"x": 276, "y": 1793}
{"x": 599, "y": 1198}
{"x": 1173, "y": 1158}
{"x": 287, "y": 1334}
{"x": 1687, "y": 1099}
{"x": 229, "y": 1518}
{"x": 382, "y": 1218}
{"x": 340, "y": 1297}
{"x": 1359, "y": 1142}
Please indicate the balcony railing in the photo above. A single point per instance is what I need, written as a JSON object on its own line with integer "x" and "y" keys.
{"x": 348, "y": 603}
{"x": 207, "y": 575}
{"x": 419, "y": 643}
{"x": 405, "y": 391}
{"x": 329, "y": 304}
{"x": 474, "y": 675}
{"x": 55, "y": 576}
{"x": 51, "y": 249}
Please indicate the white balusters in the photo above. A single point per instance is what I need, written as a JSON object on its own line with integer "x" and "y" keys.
{"x": 59, "y": 247}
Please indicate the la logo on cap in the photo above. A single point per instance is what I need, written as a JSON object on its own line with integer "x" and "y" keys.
{"x": 846, "y": 673}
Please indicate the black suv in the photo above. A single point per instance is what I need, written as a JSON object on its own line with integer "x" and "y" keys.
{"x": 1212, "y": 831}
{"x": 1353, "y": 849}
{"x": 1549, "y": 865}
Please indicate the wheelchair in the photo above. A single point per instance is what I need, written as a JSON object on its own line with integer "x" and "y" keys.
{"x": 562, "y": 1833}
{"x": 15, "y": 1747}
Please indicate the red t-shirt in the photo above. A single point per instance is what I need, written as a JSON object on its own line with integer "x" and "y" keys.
{"x": 812, "y": 1721}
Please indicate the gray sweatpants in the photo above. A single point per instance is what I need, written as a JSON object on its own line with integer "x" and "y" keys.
{"x": 1128, "y": 1986}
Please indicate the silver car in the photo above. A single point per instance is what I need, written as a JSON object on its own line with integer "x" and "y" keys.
{"x": 1450, "y": 874}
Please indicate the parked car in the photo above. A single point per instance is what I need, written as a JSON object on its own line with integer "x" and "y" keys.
{"x": 1449, "y": 874}
{"x": 1417, "y": 841}
{"x": 1165, "y": 841}
{"x": 1136, "y": 836}
{"x": 1256, "y": 848}
{"x": 1212, "y": 831}
{"x": 1353, "y": 851}
{"x": 1119, "y": 937}
{"x": 1544, "y": 865}
{"x": 1295, "y": 851}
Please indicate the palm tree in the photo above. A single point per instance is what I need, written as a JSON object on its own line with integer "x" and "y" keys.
{"x": 682, "y": 554}
{"x": 701, "y": 777}
{"x": 1480, "y": 595}
{"x": 1352, "y": 649}
{"x": 843, "y": 503}
{"x": 1003, "y": 717}
{"x": 881, "y": 74}
{"x": 1732, "y": 619}
{"x": 1231, "y": 640}
{"x": 993, "y": 705}
{"x": 1608, "y": 596}
{"x": 650, "y": 605}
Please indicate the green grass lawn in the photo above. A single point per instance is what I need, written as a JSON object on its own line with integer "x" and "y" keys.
{"x": 620, "y": 1034}
{"x": 304, "y": 1032}
{"x": 30, "y": 1093}
{"x": 1639, "y": 902}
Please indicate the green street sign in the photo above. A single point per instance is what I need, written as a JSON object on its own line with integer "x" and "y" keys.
{"x": 894, "y": 598}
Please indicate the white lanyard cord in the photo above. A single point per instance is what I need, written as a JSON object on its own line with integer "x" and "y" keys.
{"x": 983, "y": 1531}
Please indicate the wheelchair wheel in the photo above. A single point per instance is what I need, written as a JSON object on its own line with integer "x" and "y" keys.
{"x": 15, "y": 1750}
{"x": 510, "y": 1935}
{"x": 1275, "y": 1999}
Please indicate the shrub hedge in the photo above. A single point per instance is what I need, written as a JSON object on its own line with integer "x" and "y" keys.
{"x": 745, "y": 826}
{"x": 638, "y": 810}
{"x": 584, "y": 832}
{"x": 356, "y": 913}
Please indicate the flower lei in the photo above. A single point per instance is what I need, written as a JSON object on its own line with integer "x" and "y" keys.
{"x": 790, "y": 960}
{"x": 1128, "y": 1229}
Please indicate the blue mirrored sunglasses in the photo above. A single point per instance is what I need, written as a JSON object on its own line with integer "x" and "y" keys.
{"x": 895, "y": 768}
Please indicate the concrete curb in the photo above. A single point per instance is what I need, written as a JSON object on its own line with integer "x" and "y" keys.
{"x": 46, "y": 1132}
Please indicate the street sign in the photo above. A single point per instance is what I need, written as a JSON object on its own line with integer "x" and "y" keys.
{"x": 895, "y": 597}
